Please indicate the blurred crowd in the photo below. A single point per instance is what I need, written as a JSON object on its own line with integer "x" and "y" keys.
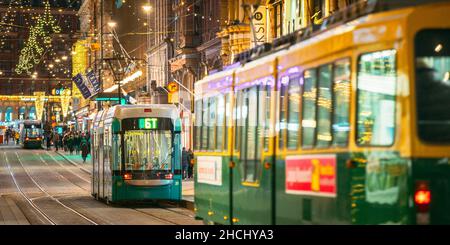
{"x": 71, "y": 142}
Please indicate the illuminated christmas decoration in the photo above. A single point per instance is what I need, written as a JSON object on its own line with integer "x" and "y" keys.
{"x": 65, "y": 102}
{"x": 39, "y": 104}
{"x": 7, "y": 20}
{"x": 40, "y": 37}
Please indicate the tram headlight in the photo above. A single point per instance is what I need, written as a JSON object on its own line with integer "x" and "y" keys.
{"x": 26, "y": 139}
{"x": 127, "y": 176}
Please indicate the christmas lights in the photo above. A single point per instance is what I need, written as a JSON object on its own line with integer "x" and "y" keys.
{"x": 40, "y": 36}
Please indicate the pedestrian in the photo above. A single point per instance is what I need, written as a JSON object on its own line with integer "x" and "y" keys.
{"x": 49, "y": 140}
{"x": 17, "y": 137}
{"x": 77, "y": 142}
{"x": 70, "y": 143}
{"x": 185, "y": 162}
{"x": 7, "y": 135}
{"x": 84, "y": 149}
{"x": 191, "y": 163}
{"x": 56, "y": 141}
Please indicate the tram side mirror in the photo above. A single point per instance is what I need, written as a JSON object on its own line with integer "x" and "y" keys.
{"x": 177, "y": 126}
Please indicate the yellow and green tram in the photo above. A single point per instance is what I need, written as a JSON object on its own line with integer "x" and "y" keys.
{"x": 136, "y": 153}
{"x": 348, "y": 126}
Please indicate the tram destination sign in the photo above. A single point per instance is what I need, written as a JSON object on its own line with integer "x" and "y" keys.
{"x": 147, "y": 123}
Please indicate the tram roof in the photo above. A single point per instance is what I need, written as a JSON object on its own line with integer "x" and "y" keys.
{"x": 136, "y": 111}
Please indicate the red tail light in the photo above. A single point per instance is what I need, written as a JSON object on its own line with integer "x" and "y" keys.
{"x": 127, "y": 176}
{"x": 168, "y": 176}
{"x": 422, "y": 200}
{"x": 422, "y": 197}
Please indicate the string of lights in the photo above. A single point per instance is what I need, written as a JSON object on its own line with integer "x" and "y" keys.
{"x": 40, "y": 36}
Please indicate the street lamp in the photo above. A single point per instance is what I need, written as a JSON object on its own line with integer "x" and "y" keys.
{"x": 112, "y": 24}
{"x": 147, "y": 8}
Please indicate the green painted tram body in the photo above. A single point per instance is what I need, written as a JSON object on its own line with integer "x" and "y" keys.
{"x": 382, "y": 195}
{"x": 399, "y": 176}
{"x": 113, "y": 187}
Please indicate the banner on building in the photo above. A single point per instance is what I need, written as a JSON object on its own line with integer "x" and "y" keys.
{"x": 92, "y": 78}
{"x": 259, "y": 26}
{"x": 82, "y": 85}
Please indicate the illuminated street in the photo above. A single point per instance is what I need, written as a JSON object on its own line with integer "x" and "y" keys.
{"x": 237, "y": 112}
{"x": 40, "y": 187}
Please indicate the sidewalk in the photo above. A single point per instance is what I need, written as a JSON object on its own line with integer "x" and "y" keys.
{"x": 188, "y": 185}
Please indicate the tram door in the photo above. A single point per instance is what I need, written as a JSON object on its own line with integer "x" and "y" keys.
{"x": 101, "y": 165}
{"x": 252, "y": 174}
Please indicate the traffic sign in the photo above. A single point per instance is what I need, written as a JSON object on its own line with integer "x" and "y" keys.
{"x": 172, "y": 87}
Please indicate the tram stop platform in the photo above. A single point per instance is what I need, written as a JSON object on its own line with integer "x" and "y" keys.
{"x": 77, "y": 160}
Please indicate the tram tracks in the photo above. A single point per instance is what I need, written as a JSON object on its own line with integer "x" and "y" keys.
{"x": 33, "y": 201}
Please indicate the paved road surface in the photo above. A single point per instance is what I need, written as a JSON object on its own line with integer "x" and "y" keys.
{"x": 39, "y": 187}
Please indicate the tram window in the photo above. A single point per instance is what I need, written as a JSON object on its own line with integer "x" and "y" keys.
{"x": 220, "y": 121}
{"x": 251, "y": 135}
{"x": 267, "y": 117}
{"x": 148, "y": 149}
{"x": 205, "y": 116}
{"x": 309, "y": 108}
{"x": 212, "y": 123}
{"x": 261, "y": 97}
{"x": 116, "y": 158}
{"x": 324, "y": 103}
{"x": 238, "y": 118}
{"x": 376, "y": 98}
{"x": 227, "y": 119}
{"x": 341, "y": 105}
{"x": 433, "y": 85}
{"x": 198, "y": 124}
{"x": 283, "y": 122}
{"x": 293, "y": 112}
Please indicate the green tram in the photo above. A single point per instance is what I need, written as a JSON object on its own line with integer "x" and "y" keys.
{"x": 31, "y": 134}
{"x": 350, "y": 125}
{"x": 136, "y": 153}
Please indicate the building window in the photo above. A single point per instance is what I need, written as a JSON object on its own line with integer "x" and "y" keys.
{"x": 278, "y": 18}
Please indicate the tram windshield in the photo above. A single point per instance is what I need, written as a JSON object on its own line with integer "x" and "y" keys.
{"x": 148, "y": 149}
{"x": 433, "y": 85}
{"x": 32, "y": 132}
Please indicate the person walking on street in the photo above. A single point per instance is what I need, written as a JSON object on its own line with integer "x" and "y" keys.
{"x": 77, "y": 142}
{"x": 84, "y": 149}
{"x": 191, "y": 163}
{"x": 70, "y": 143}
{"x": 56, "y": 141}
{"x": 49, "y": 140}
{"x": 17, "y": 137}
{"x": 185, "y": 162}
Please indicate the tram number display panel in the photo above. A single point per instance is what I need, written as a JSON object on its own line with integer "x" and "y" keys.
{"x": 147, "y": 123}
